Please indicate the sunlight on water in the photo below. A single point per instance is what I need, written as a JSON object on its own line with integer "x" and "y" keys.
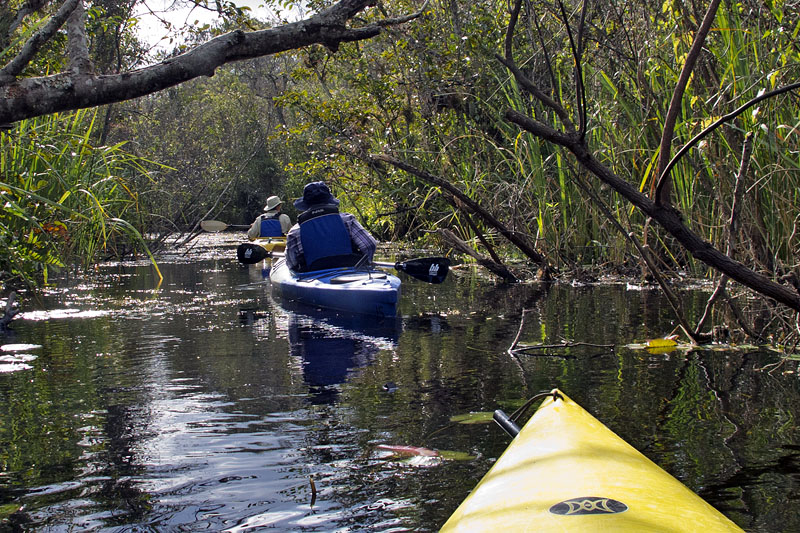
{"x": 18, "y": 347}
{"x": 17, "y": 361}
{"x": 13, "y": 366}
{"x": 58, "y": 314}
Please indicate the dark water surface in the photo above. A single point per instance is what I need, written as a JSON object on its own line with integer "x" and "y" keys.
{"x": 207, "y": 406}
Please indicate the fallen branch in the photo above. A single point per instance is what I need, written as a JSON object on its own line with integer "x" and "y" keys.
{"x": 669, "y": 218}
{"x": 78, "y": 88}
{"x": 487, "y": 217}
{"x": 498, "y": 269}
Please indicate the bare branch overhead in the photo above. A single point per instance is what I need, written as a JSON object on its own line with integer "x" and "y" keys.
{"x": 22, "y": 98}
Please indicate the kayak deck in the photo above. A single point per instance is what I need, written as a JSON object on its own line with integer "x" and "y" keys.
{"x": 566, "y": 471}
{"x": 272, "y": 244}
{"x": 357, "y": 290}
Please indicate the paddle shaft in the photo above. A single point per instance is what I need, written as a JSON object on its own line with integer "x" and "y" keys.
{"x": 214, "y": 226}
{"x": 381, "y": 264}
{"x": 428, "y": 269}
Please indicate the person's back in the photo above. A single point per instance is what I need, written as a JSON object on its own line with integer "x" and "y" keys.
{"x": 272, "y": 223}
{"x": 324, "y": 237}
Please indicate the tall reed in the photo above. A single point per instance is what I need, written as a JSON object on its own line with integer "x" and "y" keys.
{"x": 65, "y": 200}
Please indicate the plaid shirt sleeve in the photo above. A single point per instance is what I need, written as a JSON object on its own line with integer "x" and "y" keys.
{"x": 365, "y": 242}
{"x": 294, "y": 247}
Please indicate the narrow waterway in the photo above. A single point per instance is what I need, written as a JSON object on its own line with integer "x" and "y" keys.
{"x": 207, "y": 405}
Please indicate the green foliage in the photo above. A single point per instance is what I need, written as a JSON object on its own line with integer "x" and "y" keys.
{"x": 212, "y": 137}
{"x": 432, "y": 93}
{"x": 63, "y": 198}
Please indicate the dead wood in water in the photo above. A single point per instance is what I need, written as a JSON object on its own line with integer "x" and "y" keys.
{"x": 10, "y": 312}
{"x": 494, "y": 267}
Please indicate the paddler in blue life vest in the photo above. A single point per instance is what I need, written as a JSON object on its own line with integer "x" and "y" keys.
{"x": 272, "y": 223}
{"x": 323, "y": 237}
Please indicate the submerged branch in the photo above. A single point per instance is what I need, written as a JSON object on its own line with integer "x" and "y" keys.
{"x": 526, "y": 348}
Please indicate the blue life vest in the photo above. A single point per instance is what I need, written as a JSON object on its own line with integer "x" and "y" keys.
{"x": 271, "y": 227}
{"x": 326, "y": 241}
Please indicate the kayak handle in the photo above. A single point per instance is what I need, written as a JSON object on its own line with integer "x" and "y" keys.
{"x": 506, "y": 423}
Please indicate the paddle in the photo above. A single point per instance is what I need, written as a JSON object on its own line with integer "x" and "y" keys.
{"x": 215, "y": 226}
{"x": 250, "y": 254}
{"x": 428, "y": 269}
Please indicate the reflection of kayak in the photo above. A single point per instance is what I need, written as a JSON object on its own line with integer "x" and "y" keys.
{"x": 363, "y": 290}
{"x": 381, "y": 330}
{"x": 566, "y": 471}
{"x": 330, "y": 353}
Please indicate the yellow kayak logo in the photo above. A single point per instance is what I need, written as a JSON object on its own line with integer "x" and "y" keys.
{"x": 588, "y": 505}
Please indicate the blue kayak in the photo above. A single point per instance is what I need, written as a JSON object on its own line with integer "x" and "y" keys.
{"x": 361, "y": 290}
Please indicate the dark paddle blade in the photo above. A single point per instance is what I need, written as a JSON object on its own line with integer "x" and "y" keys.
{"x": 430, "y": 269}
{"x": 250, "y": 254}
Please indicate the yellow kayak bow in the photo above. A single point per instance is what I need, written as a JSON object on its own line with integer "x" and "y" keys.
{"x": 567, "y": 472}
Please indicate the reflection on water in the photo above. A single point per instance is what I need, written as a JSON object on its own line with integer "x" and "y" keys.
{"x": 330, "y": 353}
{"x": 328, "y": 346}
{"x": 205, "y": 405}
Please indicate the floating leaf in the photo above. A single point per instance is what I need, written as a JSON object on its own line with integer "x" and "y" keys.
{"x": 449, "y": 455}
{"x": 422, "y": 461}
{"x": 660, "y": 349}
{"x": 660, "y": 346}
{"x": 667, "y": 342}
{"x": 399, "y": 449}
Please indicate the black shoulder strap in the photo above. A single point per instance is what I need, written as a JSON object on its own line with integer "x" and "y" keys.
{"x": 315, "y": 212}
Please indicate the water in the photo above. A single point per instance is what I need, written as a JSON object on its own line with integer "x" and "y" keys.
{"x": 206, "y": 405}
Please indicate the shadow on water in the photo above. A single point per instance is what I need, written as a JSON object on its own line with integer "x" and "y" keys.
{"x": 206, "y": 405}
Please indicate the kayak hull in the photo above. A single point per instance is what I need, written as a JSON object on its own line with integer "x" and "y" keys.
{"x": 365, "y": 291}
{"x": 565, "y": 471}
